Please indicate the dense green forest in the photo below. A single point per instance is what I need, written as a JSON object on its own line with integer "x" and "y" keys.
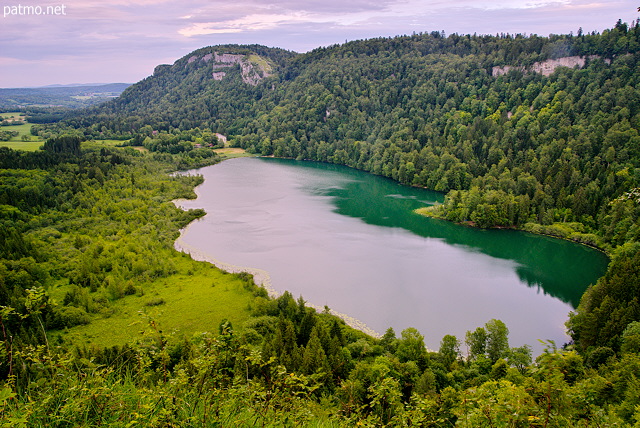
{"x": 556, "y": 154}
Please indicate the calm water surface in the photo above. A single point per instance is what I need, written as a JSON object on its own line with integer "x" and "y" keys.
{"x": 349, "y": 240}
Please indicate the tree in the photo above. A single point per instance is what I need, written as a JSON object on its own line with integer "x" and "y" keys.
{"x": 69, "y": 144}
{"x": 476, "y": 343}
{"x": 497, "y": 340}
{"x": 520, "y": 357}
{"x": 411, "y": 347}
{"x": 608, "y": 307}
{"x": 449, "y": 350}
{"x": 314, "y": 359}
{"x": 389, "y": 341}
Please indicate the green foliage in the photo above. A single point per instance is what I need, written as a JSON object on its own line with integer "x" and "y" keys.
{"x": 476, "y": 342}
{"x": 449, "y": 350}
{"x": 100, "y": 238}
{"x": 63, "y": 144}
{"x": 610, "y": 307}
{"x": 411, "y": 347}
{"x": 7, "y": 135}
{"x": 218, "y": 379}
{"x": 497, "y": 340}
{"x": 86, "y": 225}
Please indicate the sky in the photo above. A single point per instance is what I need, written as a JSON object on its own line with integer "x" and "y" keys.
{"x": 44, "y": 42}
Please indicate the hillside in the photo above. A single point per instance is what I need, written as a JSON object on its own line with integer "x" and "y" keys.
{"x": 201, "y": 89}
{"x": 538, "y": 133}
{"x": 87, "y": 235}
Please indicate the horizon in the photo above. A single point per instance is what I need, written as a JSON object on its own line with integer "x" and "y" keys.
{"x": 68, "y": 41}
{"x": 71, "y": 85}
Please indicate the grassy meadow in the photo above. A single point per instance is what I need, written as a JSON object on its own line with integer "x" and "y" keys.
{"x": 13, "y": 115}
{"x": 16, "y": 142}
{"x": 29, "y": 146}
{"x": 194, "y": 300}
{"x": 232, "y": 152}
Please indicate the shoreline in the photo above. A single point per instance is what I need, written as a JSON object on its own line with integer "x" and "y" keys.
{"x": 604, "y": 250}
{"x": 424, "y": 213}
{"x": 260, "y": 277}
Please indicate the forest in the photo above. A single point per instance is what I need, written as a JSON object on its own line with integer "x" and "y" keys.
{"x": 86, "y": 226}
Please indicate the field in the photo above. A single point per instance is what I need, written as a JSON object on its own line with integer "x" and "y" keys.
{"x": 110, "y": 143}
{"x": 14, "y": 115}
{"x": 29, "y": 146}
{"x": 184, "y": 304}
{"x": 232, "y": 152}
{"x": 16, "y": 142}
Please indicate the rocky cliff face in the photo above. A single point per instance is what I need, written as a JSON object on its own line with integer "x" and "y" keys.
{"x": 546, "y": 68}
{"x": 254, "y": 68}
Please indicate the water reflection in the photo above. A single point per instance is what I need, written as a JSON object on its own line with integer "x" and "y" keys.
{"x": 559, "y": 268}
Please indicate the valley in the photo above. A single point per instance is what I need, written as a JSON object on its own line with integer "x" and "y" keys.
{"x": 104, "y": 322}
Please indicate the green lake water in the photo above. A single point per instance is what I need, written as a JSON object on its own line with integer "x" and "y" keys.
{"x": 350, "y": 240}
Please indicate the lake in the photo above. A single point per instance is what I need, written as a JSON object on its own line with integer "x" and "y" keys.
{"x": 350, "y": 240}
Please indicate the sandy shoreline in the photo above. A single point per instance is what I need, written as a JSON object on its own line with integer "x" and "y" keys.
{"x": 260, "y": 277}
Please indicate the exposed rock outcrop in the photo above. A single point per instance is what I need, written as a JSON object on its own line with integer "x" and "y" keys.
{"x": 253, "y": 68}
{"x": 546, "y": 68}
{"x": 252, "y": 71}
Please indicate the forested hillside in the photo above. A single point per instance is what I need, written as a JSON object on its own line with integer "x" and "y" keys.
{"x": 554, "y": 153}
{"x": 186, "y": 94}
{"x": 516, "y": 149}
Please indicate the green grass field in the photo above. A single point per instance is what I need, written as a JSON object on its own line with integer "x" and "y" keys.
{"x": 16, "y": 142}
{"x": 29, "y": 146}
{"x": 110, "y": 143}
{"x": 15, "y": 115}
{"x": 232, "y": 152}
{"x": 182, "y": 304}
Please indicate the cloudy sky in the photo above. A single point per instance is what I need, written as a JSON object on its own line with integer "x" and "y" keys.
{"x": 97, "y": 41}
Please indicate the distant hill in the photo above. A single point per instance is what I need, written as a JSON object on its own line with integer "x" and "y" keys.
{"x": 211, "y": 83}
{"x": 71, "y": 96}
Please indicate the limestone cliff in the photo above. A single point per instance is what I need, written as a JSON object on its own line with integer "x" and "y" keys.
{"x": 546, "y": 68}
{"x": 253, "y": 68}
